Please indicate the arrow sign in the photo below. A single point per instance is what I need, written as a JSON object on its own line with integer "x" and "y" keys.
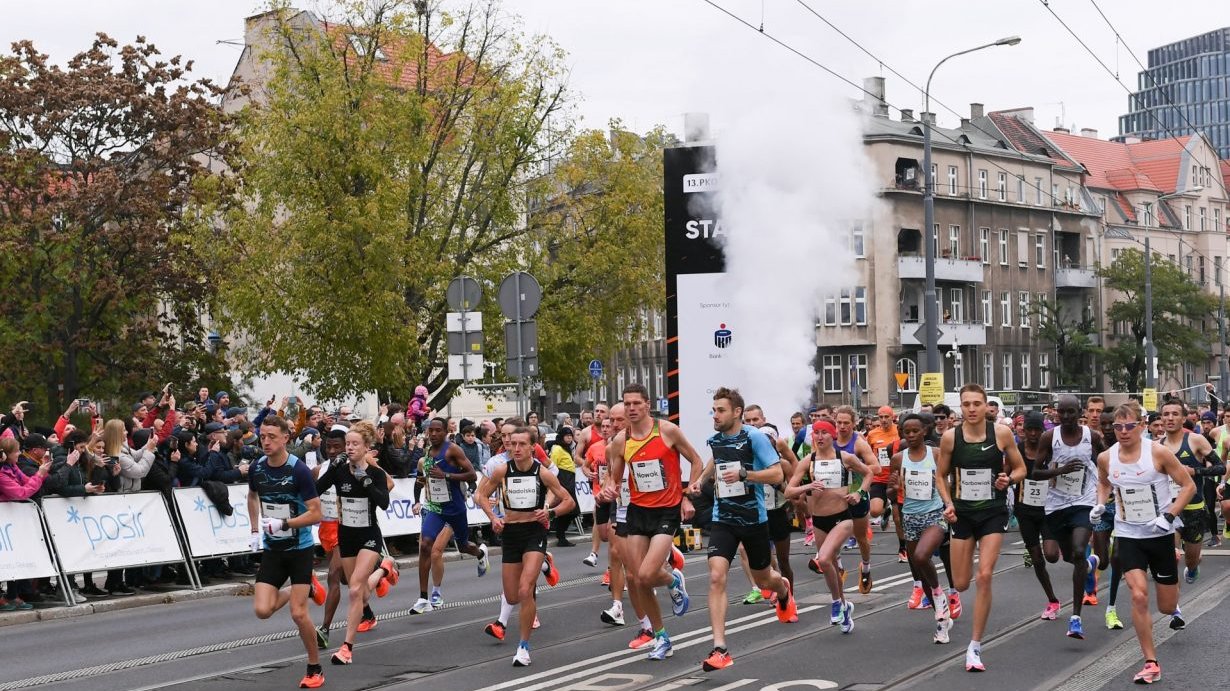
{"x": 921, "y": 333}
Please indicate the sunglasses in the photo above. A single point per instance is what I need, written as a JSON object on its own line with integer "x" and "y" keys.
{"x": 1124, "y": 426}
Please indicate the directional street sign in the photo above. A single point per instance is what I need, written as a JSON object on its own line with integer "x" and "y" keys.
{"x": 595, "y": 369}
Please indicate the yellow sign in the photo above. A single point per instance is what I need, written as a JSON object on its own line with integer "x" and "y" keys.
{"x": 490, "y": 407}
{"x": 1150, "y": 399}
{"x": 902, "y": 379}
{"x": 931, "y": 388}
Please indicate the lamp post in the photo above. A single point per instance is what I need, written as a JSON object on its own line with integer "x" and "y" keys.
{"x": 930, "y": 308}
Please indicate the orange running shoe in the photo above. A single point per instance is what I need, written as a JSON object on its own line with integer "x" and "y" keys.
{"x": 317, "y": 592}
{"x": 916, "y": 598}
{"x": 606, "y": 577}
{"x": 342, "y": 656}
{"x": 1090, "y": 599}
{"x": 787, "y": 611}
{"x": 312, "y": 681}
{"x": 954, "y": 606}
{"x": 718, "y": 659}
{"x": 366, "y": 625}
{"x": 382, "y": 588}
{"x": 644, "y": 638}
{"x": 390, "y": 570}
{"x": 676, "y": 558}
{"x": 552, "y": 572}
{"x": 496, "y": 630}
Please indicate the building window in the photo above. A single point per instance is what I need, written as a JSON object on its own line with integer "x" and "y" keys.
{"x": 856, "y": 242}
{"x": 1188, "y": 260}
{"x": 1040, "y": 251}
{"x": 988, "y": 370}
{"x": 1020, "y": 189}
{"x": 1007, "y": 371}
{"x": 1003, "y": 187}
{"x": 954, "y": 241}
{"x": 986, "y": 308}
{"x": 982, "y": 184}
{"x": 1003, "y": 247}
{"x": 1114, "y": 254}
{"x": 1187, "y": 217}
{"x": 910, "y": 368}
{"x": 952, "y": 180}
{"x": 659, "y": 380}
{"x": 1217, "y": 220}
{"x": 958, "y": 368}
{"x": 858, "y": 370}
{"x": 1038, "y": 191}
{"x": 846, "y": 315}
{"x": 830, "y": 310}
{"x": 1054, "y": 194}
{"x": 1022, "y": 304}
{"x": 645, "y": 377}
{"x": 1025, "y": 378}
{"x": 1022, "y": 248}
{"x": 860, "y": 306}
{"x": 620, "y": 380}
{"x": 935, "y": 240}
{"x": 1044, "y": 370}
{"x": 984, "y": 245}
{"x": 832, "y": 373}
{"x": 1005, "y": 309}
{"x": 934, "y": 175}
{"x": 956, "y": 301}
{"x": 1201, "y": 213}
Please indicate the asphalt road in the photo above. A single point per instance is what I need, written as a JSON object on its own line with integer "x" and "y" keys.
{"x": 218, "y": 643}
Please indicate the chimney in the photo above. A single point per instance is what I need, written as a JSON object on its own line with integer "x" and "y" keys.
{"x": 695, "y": 127}
{"x": 964, "y": 123}
{"x": 976, "y": 111}
{"x": 874, "y": 88}
{"x": 1089, "y": 132}
{"x": 929, "y": 118}
{"x": 1062, "y": 130}
{"x": 907, "y": 115}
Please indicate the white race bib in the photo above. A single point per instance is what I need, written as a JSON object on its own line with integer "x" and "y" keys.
{"x": 1033, "y": 493}
{"x": 625, "y": 494}
{"x": 355, "y": 513}
{"x": 976, "y": 484}
{"x": 725, "y": 489}
{"x": 328, "y": 505}
{"x": 649, "y": 475}
{"x": 437, "y": 490}
{"x": 1174, "y": 489}
{"x": 770, "y": 496}
{"x": 521, "y": 492}
{"x": 919, "y": 484}
{"x": 602, "y": 473}
{"x": 827, "y": 471}
{"x": 282, "y": 511}
{"x": 883, "y": 457}
{"x": 1071, "y": 484}
{"x": 1137, "y": 505}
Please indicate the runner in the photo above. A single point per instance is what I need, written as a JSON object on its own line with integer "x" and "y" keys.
{"x": 831, "y": 474}
{"x": 1141, "y": 474}
{"x": 362, "y": 487}
{"x": 618, "y": 533}
{"x": 984, "y": 459}
{"x": 592, "y": 462}
{"x": 523, "y": 529}
{"x": 851, "y": 442}
{"x": 920, "y": 597}
{"x": 1030, "y": 511}
{"x": 744, "y": 461}
{"x": 281, "y": 492}
{"x": 442, "y": 470}
{"x": 1066, "y": 458}
{"x": 334, "y": 447}
{"x": 922, "y": 513}
{"x": 882, "y": 438}
{"x": 652, "y": 449}
{"x": 775, "y": 504}
{"x": 1199, "y": 461}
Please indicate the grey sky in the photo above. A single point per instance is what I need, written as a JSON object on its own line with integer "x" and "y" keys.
{"x": 649, "y": 61}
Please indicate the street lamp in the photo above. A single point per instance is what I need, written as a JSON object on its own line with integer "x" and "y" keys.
{"x": 930, "y": 307}
{"x": 1150, "y": 348}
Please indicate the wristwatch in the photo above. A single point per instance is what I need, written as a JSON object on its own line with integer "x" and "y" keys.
{"x": 1168, "y": 516}
{"x": 742, "y": 473}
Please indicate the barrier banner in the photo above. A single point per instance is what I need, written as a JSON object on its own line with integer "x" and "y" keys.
{"x": 23, "y": 549}
{"x": 585, "y": 494}
{"x": 111, "y": 531}
{"x": 399, "y": 518}
{"x": 209, "y": 533}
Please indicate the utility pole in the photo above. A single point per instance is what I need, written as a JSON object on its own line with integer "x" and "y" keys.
{"x": 1150, "y": 351}
{"x": 1221, "y": 330}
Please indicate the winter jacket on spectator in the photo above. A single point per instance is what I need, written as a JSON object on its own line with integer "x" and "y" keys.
{"x": 223, "y": 466}
{"x": 168, "y": 423}
{"x": 16, "y": 485}
{"x": 193, "y": 461}
{"x": 395, "y": 459}
{"x": 134, "y": 465}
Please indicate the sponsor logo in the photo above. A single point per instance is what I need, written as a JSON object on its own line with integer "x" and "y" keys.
{"x": 107, "y": 527}
{"x": 722, "y": 336}
{"x": 988, "y": 447}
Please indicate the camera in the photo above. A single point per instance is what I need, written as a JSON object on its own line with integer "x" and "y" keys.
{"x": 83, "y": 402}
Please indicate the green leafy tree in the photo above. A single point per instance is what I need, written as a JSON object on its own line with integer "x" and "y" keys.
{"x": 1072, "y": 337}
{"x": 1179, "y": 305}
{"x": 103, "y": 163}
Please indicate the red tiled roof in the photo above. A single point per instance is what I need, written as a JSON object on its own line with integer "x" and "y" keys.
{"x": 1025, "y": 139}
{"x": 1151, "y": 165}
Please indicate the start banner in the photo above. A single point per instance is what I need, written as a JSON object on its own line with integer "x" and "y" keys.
{"x": 111, "y": 531}
{"x": 209, "y": 533}
{"x": 23, "y": 549}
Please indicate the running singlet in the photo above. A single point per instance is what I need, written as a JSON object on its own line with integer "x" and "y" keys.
{"x": 976, "y": 465}
{"x": 1078, "y": 488}
{"x": 284, "y": 492}
{"x": 595, "y": 455}
{"x": 357, "y": 497}
{"x": 1141, "y": 493}
{"x": 918, "y": 477}
{"x": 854, "y": 480}
{"x": 1032, "y": 496}
{"x": 740, "y": 502}
{"x": 882, "y": 444}
{"x": 653, "y": 471}
{"x": 444, "y": 496}
{"x": 1188, "y": 458}
{"x": 523, "y": 490}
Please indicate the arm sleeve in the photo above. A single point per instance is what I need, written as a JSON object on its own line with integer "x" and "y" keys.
{"x": 61, "y": 425}
{"x": 378, "y": 490}
{"x": 220, "y": 469}
{"x": 168, "y": 426}
{"x": 1216, "y": 466}
{"x": 12, "y": 490}
{"x": 260, "y": 417}
{"x": 325, "y": 481}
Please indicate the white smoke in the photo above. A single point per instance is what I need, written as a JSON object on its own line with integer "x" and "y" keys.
{"x": 794, "y": 179}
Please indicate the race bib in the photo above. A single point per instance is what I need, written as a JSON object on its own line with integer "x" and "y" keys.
{"x": 625, "y": 494}
{"x": 521, "y": 493}
{"x": 1071, "y": 484}
{"x": 1174, "y": 489}
{"x": 328, "y": 505}
{"x": 1137, "y": 504}
{"x": 602, "y": 473}
{"x": 883, "y": 457}
{"x": 976, "y": 484}
{"x": 725, "y": 489}
{"x": 827, "y": 471}
{"x": 919, "y": 484}
{"x": 1033, "y": 493}
{"x": 770, "y": 496}
{"x": 437, "y": 490}
{"x": 648, "y": 475}
{"x": 282, "y": 511}
{"x": 355, "y": 513}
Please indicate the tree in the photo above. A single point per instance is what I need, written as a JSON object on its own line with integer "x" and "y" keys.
{"x": 377, "y": 167}
{"x": 1072, "y": 337}
{"x": 102, "y": 165}
{"x": 1178, "y": 305}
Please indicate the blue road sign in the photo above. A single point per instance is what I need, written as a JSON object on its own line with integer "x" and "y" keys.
{"x": 595, "y": 369}
{"x": 664, "y": 406}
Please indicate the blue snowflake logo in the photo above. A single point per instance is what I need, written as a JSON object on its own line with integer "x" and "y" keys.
{"x": 200, "y": 504}
{"x": 73, "y": 515}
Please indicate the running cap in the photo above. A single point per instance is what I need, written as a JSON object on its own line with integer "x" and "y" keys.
{"x": 1034, "y": 420}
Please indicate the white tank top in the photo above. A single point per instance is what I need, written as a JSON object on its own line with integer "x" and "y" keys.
{"x": 1072, "y": 489}
{"x": 1141, "y": 493}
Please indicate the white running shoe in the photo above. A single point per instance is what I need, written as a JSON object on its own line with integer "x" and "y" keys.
{"x": 973, "y": 661}
{"x": 483, "y": 562}
{"x": 421, "y": 606}
{"x": 591, "y": 560}
{"x": 522, "y": 658}
{"x": 614, "y": 615}
{"x": 941, "y": 631}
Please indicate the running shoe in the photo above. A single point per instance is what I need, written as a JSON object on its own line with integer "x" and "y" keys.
{"x": 661, "y": 648}
{"x": 1214, "y": 541}
{"x": 613, "y": 615}
{"x": 421, "y": 606}
{"x": 522, "y": 658}
{"x": 809, "y": 539}
{"x": 1075, "y": 630}
{"x": 1091, "y": 577}
{"x": 366, "y": 625}
{"x": 1112, "y": 620}
{"x": 851, "y": 543}
{"x": 1027, "y": 560}
{"x": 926, "y": 602}
{"x": 718, "y": 659}
{"x": 916, "y": 598}
{"x": 322, "y": 638}
{"x": 814, "y": 565}
{"x": 343, "y": 656}
{"x": 606, "y": 578}
{"x": 1150, "y": 673}
{"x": 1090, "y": 599}
{"x": 954, "y": 606}
{"x": 391, "y": 573}
{"x": 551, "y": 571}
{"x": 591, "y": 560}
{"x": 317, "y": 591}
{"x": 312, "y": 680}
{"x": 787, "y": 610}
{"x": 835, "y": 613}
{"x": 973, "y": 661}
{"x": 537, "y": 624}
{"x": 902, "y": 557}
{"x": 679, "y": 595}
{"x": 382, "y": 588}
{"x": 495, "y": 629}
{"x": 847, "y": 618}
{"x": 1190, "y": 575}
{"x": 864, "y": 582}
{"x": 768, "y": 596}
{"x": 437, "y": 599}
{"x": 676, "y": 558}
{"x": 483, "y": 562}
{"x": 941, "y": 631}
{"x": 1177, "y": 622}
{"x": 644, "y": 638}
{"x": 753, "y": 597}
{"x": 1051, "y": 612}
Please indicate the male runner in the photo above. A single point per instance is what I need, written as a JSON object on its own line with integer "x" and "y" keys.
{"x": 1066, "y": 458}
{"x": 334, "y": 446}
{"x": 744, "y": 462}
{"x": 592, "y": 462}
{"x": 882, "y": 439}
{"x": 851, "y": 442}
{"x": 442, "y": 471}
{"x": 1199, "y": 461}
{"x": 775, "y": 504}
{"x": 984, "y": 460}
{"x": 523, "y": 529}
{"x": 1094, "y": 407}
{"x": 1030, "y": 511}
{"x": 651, "y": 450}
{"x": 1141, "y": 474}
{"x": 282, "y": 493}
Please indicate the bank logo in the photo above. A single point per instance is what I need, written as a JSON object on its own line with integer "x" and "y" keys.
{"x": 722, "y": 337}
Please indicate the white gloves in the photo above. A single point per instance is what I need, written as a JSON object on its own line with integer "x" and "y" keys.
{"x": 271, "y": 525}
{"x": 1162, "y": 525}
{"x": 256, "y": 542}
{"x": 1095, "y": 514}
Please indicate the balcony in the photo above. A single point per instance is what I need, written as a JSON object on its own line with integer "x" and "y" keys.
{"x": 946, "y": 268}
{"x": 1074, "y": 276}
{"x": 961, "y": 333}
